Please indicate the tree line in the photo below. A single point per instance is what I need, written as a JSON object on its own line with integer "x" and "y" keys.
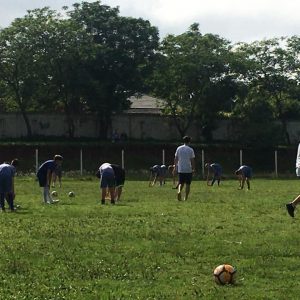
{"x": 89, "y": 59}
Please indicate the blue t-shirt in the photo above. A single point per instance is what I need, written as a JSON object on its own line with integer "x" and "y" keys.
{"x": 106, "y": 170}
{"x": 7, "y": 170}
{"x": 216, "y": 168}
{"x": 155, "y": 169}
{"x": 43, "y": 169}
{"x": 246, "y": 171}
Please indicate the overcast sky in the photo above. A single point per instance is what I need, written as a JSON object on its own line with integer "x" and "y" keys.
{"x": 235, "y": 20}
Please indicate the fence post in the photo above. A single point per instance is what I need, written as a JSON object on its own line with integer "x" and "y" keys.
{"x": 36, "y": 160}
{"x": 122, "y": 154}
{"x": 241, "y": 157}
{"x": 203, "y": 161}
{"x": 276, "y": 164}
{"x": 81, "y": 163}
{"x": 163, "y": 156}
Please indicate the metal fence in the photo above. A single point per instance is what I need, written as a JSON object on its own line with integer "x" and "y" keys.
{"x": 264, "y": 162}
{"x": 138, "y": 158}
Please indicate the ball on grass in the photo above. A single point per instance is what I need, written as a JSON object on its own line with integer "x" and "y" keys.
{"x": 224, "y": 274}
{"x": 71, "y": 194}
{"x": 54, "y": 194}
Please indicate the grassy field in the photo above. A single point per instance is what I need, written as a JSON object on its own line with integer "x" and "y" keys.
{"x": 149, "y": 245}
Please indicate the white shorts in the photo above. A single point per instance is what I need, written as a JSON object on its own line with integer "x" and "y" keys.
{"x": 298, "y": 171}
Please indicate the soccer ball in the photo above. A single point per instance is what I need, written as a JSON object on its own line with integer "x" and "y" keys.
{"x": 224, "y": 274}
{"x": 54, "y": 193}
{"x": 71, "y": 194}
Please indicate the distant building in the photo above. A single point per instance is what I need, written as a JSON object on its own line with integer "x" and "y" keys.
{"x": 145, "y": 105}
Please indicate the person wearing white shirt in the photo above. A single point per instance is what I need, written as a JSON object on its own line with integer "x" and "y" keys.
{"x": 298, "y": 162}
{"x": 107, "y": 182}
{"x": 185, "y": 162}
{"x": 292, "y": 205}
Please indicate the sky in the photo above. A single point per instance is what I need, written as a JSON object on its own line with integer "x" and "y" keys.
{"x": 234, "y": 20}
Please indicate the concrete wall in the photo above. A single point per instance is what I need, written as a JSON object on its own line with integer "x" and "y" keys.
{"x": 135, "y": 126}
{"x": 13, "y": 125}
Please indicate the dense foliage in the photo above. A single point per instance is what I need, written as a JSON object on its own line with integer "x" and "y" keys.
{"x": 91, "y": 60}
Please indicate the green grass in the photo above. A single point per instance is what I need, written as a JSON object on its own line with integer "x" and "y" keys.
{"x": 150, "y": 246}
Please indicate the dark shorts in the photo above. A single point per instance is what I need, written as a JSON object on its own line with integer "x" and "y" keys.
{"x": 185, "y": 178}
{"x": 155, "y": 171}
{"x": 163, "y": 172}
{"x": 107, "y": 180}
{"x": 217, "y": 173}
{"x": 120, "y": 180}
{"x": 42, "y": 181}
{"x": 247, "y": 173}
{"x": 5, "y": 185}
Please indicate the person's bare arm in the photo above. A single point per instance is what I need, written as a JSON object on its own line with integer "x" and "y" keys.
{"x": 49, "y": 177}
{"x": 175, "y": 161}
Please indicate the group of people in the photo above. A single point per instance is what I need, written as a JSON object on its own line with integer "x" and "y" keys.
{"x": 244, "y": 174}
{"x": 112, "y": 177}
{"x": 45, "y": 174}
{"x": 184, "y": 166}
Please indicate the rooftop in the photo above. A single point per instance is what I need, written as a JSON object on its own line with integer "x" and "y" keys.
{"x": 145, "y": 104}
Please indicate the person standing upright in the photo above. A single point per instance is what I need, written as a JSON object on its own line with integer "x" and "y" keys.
{"x": 291, "y": 206}
{"x": 185, "y": 162}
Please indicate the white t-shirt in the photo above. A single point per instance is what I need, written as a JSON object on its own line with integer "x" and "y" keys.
{"x": 298, "y": 157}
{"x": 106, "y": 168}
{"x": 184, "y": 154}
{"x": 298, "y": 162}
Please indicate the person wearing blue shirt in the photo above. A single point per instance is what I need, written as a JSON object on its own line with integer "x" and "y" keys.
{"x": 217, "y": 173}
{"x": 119, "y": 180}
{"x": 244, "y": 174}
{"x": 44, "y": 175}
{"x": 7, "y": 184}
{"x": 157, "y": 172}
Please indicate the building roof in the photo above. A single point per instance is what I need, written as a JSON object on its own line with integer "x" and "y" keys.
{"x": 145, "y": 104}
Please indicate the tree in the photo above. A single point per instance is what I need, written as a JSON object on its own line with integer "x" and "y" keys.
{"x": 269, "y": 77}
{"x": 191, "y": 67}
{"x": 19, "y": 60}
{"x": 123, "y": 54}
{"x": 66, "y": 52}
{"x": 293, "y": 49}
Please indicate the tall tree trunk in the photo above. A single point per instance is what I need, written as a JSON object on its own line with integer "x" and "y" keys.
{"x": 20, "y": 102}
{"x": 27, "y": 122}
